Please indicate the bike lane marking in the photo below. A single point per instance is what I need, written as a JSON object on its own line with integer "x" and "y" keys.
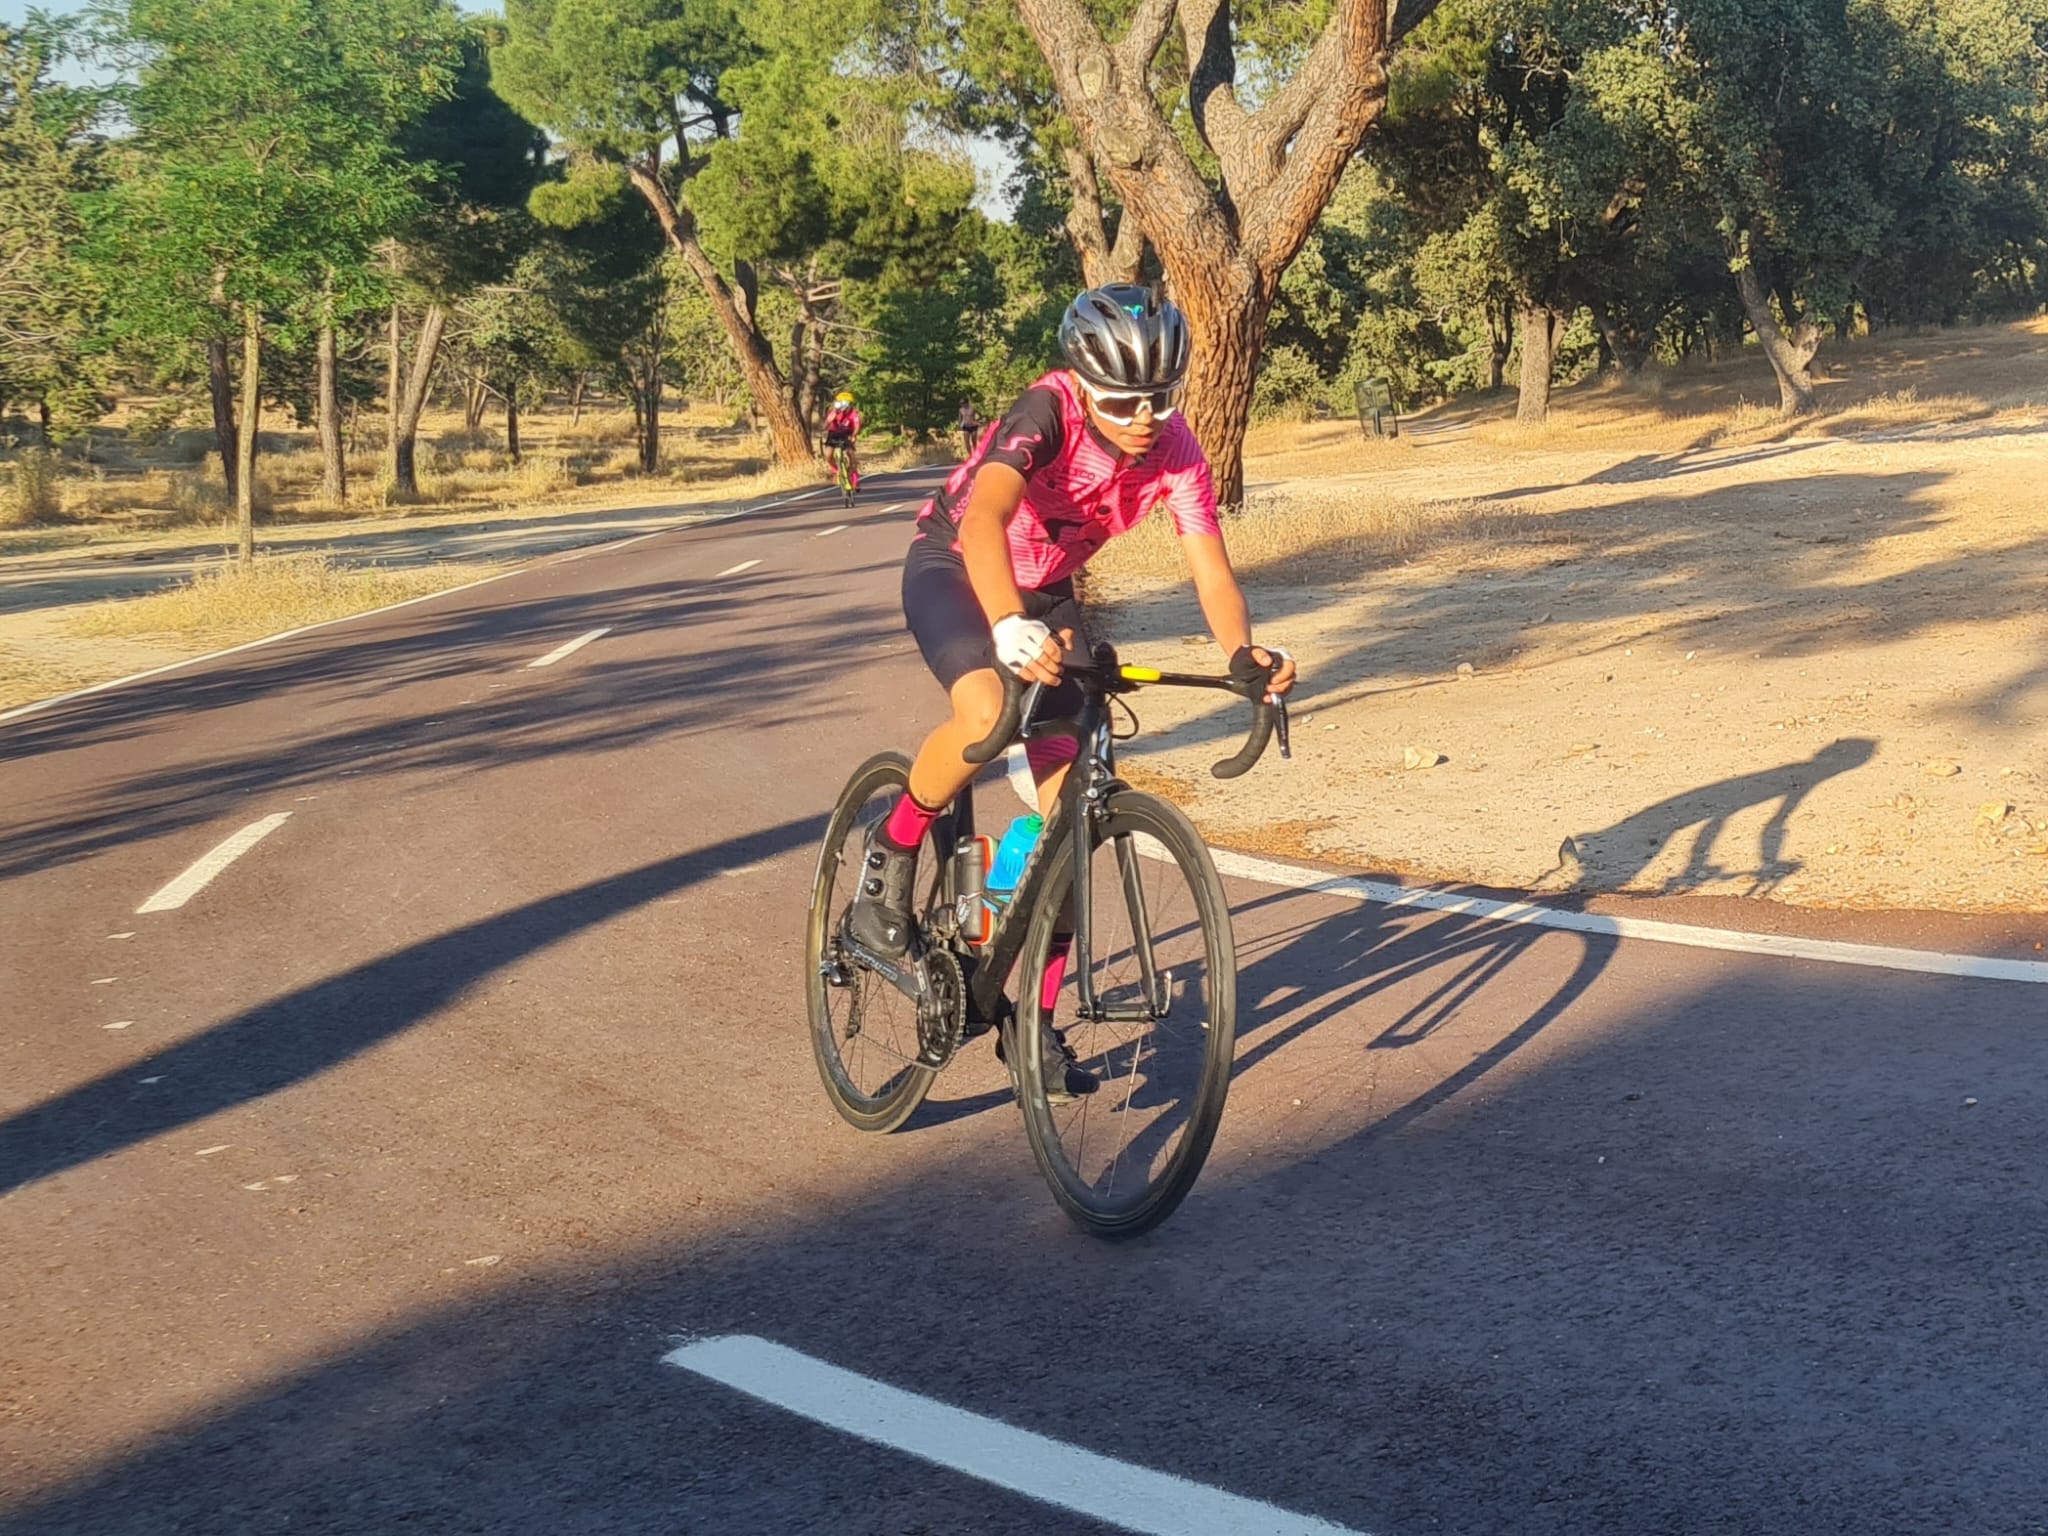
{"x": 568, "y": 649}
{"x": 1884, "y": 957}
{"x": 201, "y": 874}
{"x": 1049, "y": 1471}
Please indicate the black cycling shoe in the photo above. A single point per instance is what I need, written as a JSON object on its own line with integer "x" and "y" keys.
{"x": 879, "y": 918}
{"x": 1065, "y": 1078}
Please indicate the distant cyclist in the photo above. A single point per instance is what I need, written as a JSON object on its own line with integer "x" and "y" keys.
{"x": 1085, "y": 454}
{"x": 842, "y": 429}
{"x": 969, "y": 425}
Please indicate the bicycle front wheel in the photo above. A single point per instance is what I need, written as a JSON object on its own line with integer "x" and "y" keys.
{"x": 863, "y": 1031}
{"x": 1164, "y": 970}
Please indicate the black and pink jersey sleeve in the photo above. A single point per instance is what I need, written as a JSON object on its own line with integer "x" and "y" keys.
{"x": 1029, "y": 436}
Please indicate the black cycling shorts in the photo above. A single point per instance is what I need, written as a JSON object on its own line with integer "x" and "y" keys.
{"x": 952, "y": 632}
{"x": 838, "y": 439}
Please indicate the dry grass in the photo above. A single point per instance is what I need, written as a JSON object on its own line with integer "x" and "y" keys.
{"x": 28, "y": 675}
{"x": 32, "y": 493}
{"x": 230, "y": 603}
{"x": 1300, "y": 538}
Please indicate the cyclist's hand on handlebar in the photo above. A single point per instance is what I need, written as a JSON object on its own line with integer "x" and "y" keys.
{"x": 1265, "y": 659}
{"x": 1028, "y": 648}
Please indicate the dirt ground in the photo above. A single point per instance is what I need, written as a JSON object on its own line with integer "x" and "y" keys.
{"x": 1809, "y": 665}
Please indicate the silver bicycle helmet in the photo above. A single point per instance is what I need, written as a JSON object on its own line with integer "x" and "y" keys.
{"x": 1122, "y": 336}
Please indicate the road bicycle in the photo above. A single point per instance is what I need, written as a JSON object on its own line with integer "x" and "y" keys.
{"x": 1149, "y": 1000}
{"x": 844, "y": 475}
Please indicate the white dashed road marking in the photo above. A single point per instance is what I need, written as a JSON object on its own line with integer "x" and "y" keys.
{"x": 826, "y": 533}
{"x": 570, "y": 649}
{"x": 744, "y": 565}
{"x": 1050, "y": 1471}
{"x": 195, "y": 879}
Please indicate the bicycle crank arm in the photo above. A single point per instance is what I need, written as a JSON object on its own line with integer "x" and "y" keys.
{"x": 904, "y": 977}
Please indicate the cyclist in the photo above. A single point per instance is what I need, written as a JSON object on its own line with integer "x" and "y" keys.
{"x": 842, "y": 427}
{"x": 1084, "y": 454}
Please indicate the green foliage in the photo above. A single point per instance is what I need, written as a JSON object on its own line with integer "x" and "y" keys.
{"x": 263, "y": 159}
{"x": 51, "y": 153}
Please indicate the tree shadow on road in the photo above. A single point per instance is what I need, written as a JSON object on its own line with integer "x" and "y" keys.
{"x": 289, "y": 1039}
{"x": 1728, "y": 1248}
{"x": 448, "y": 692}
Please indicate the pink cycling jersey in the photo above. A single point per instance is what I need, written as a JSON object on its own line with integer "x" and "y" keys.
{"x": 1079, "y": 492}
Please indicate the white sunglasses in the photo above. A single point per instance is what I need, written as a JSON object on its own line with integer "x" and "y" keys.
{"x": 1122, "y": 409}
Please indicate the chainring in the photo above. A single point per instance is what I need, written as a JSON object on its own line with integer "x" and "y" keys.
{"x": 942, "y": 1012}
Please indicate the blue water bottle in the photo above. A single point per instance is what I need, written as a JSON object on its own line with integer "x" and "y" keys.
{"x": 1012, "y": 853}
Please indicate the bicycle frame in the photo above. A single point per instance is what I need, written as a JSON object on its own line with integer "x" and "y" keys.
{"x": 1085, "y": 795}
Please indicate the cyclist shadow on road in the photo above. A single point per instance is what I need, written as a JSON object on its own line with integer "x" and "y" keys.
{"x": 1425, "y": 970}
{"x": 1432, "y": 967}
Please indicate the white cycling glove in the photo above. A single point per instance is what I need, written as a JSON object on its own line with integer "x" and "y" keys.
{"x": 1018, "y": 640}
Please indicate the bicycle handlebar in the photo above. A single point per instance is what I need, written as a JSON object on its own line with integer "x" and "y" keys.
{"x": 1267, "y": 716}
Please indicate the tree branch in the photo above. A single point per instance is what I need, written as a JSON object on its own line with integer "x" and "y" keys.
{"x": 1406, "y": 16}
{"x": 1347, "y": 76}
{"x": 1144, "y": 37}
{"x": 1220, "y": 117}
{"x": 1120, "y": 122}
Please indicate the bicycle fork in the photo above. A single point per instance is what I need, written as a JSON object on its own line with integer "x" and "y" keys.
{"x": 1156, "y": 986}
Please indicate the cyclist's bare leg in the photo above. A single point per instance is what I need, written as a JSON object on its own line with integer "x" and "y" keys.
{"x": 940, "y": 770}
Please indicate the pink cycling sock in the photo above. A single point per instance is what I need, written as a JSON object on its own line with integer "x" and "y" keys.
{"x": 908, "y": 823}
{"x": 1055, "y": 972}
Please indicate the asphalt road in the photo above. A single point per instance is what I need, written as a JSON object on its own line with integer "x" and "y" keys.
{"x": 368, "y": 1189}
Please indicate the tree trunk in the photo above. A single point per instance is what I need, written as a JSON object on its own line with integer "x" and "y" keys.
{"x": 401, "y": 460}
{"x": 220, "y": 387}
{"x": 650, "y": 419}
{"x": 1540, "y": 327}
{"x": 1103, "y": 260}
{"x": 327, "y": 414}
{"x": 1223, "y": 247}
{"x": 1228, "y": 323}
{"x": 1500, "y": 340}
{"x": 576, "y": 399}
{"x": 1789, "y": 355}
{"x": 736, "y": 314}
{"x": 245, "y": 446}
{"x": 512, "y": 424}
{"x": 475, "y": 396}
{"x": 1629, "y": 350}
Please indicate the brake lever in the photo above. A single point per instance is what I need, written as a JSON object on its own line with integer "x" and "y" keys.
{"x": 1280, "y": 725}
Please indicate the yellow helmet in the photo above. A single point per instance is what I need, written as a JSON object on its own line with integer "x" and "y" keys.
{"x": 844, "y": 397}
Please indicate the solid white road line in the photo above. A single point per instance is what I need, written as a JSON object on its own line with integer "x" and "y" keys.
{"x": 1050, "y": 1471}
{"x": 195, "y": 879}
{"x": 1883, "y": 957}
{"x": 744, "y": 565}
{"x": 569, "y": 649}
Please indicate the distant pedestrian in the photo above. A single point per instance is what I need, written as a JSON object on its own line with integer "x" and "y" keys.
{"x": 969, "y": 428}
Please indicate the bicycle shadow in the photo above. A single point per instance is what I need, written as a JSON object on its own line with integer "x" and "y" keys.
{"x": 1306, "y": 958}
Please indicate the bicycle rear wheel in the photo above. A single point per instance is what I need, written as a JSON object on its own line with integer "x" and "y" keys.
{"x": 1164, "y": 967}
{"x": 863, "y": 1031}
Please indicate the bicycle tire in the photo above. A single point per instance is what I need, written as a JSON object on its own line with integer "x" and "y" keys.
{"x": 1130, "y": 813}
{"x": 899, "y": 1097}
